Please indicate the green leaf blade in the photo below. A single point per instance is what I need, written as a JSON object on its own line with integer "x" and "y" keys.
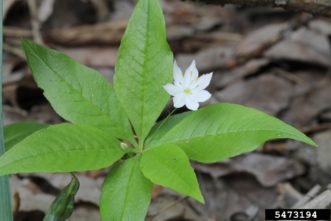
{"x": 126, "y": 193}
{"x": 77, "y": 93}
{"x": 63, "y": 205}
{"x": 169, "y": 166}
{"x": 225, "y": 130}
{"x": 14, "y": 133}
{"x": 62, "y": 148}
{"x": 164, "y": 126}
{"x": 144, "y": 66}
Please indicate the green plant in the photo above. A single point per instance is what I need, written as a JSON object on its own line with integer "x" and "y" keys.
{"x": 63, "y": 205}
{"x": 118, "y": 125}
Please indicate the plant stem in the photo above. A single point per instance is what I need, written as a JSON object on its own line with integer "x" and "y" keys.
{"x": 133, "y": 142}
{"x": 141, "y": 143}
{"x": 165, "y": 120}
{"x": 140, "y": 147}
{"x": 5, "y": 204}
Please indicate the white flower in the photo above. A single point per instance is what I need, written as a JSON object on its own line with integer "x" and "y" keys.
{"x": 189, "y": 89}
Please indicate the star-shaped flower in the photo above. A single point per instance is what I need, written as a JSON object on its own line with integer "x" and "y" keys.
{"x": 189, "y": 89}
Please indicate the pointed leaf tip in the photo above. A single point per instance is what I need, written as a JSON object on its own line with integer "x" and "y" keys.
{"x": 169, "y": 166}
{"x": 220, "y": 131}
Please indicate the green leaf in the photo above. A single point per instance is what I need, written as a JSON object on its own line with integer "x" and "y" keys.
{"x": 63, "y": 205}
{"x": 169, "y": 166}
{"x": 163, "y": 127}
{"x": 14, "y": 133}
{"x": 144, "y": 66}
{"x": 62, "y": 148}
{"x": 77, "y": 93}
{"x": 126, "y": 193}
{"x": 220, "y": 131}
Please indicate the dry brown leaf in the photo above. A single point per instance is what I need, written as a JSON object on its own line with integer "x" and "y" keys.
{"x": 268, "y": 170}
{"x": 324, "y": 151}
{"x": 268, "y": 93}
{"x": 306, "y": 108}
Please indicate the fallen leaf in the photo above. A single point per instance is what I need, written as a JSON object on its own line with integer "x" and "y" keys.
{"x": 322, "y": 26}
{"x": 310, "y": 104}
{"x": 31, "y": 198}
{"x": 258, "y": 38}
{"x": 93, "y": 56}
{"x": 85, "y": 213}
{"x": 268, "y": 93}
{"x": 268, "y": 170}
{"x": 6, "y": 7}
{"x": 89, "y": 190}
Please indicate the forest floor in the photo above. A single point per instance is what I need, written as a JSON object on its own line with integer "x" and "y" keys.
{"x": 276, "y": 61}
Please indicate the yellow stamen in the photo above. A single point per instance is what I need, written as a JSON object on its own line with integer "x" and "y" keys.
{"x": 187, "y": 91}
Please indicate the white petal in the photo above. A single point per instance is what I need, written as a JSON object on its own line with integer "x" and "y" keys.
{"x": 171, "y": 89}
{"x": 178, "y": 74}
{"x": 191, "y": 74}
{"x": 201, "y": 96}
{"x": 179, "y": 100}
{"x": 204, "y": 81}
{"x": 191, "y": 103}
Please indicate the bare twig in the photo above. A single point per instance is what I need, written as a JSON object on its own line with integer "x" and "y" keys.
{"x": 318, "y": 7}
{"x": 17, "y": 202}
{"x": 13, "y": 50}
{"x": 35, "y": 21}
{"x": 321, "y": 201}
{"x": 316, "y": 128}
{"x": 312, "y": 193}
{"x": 16, "y": 32}
{"x": 314, "y": 199}
{"x": 103, "y": 33}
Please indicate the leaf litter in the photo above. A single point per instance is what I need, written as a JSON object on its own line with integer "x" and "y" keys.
{"x": 259, "y": 59}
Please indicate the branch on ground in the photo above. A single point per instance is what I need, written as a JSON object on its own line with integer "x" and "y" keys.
{"x": 318, "y": 7}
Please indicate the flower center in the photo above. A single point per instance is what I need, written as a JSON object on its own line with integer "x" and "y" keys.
{"x": 187, "y": 91}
